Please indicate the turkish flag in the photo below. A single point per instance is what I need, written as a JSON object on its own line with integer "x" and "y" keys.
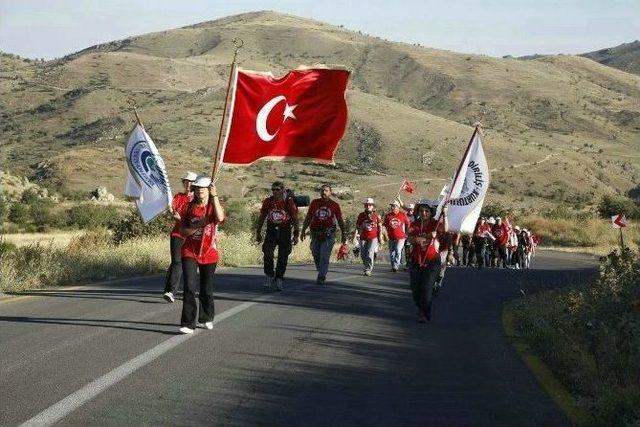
{"x": 619, "y": 221}
{"x": 302, "y": 115}
{"x": 407, "y": 186}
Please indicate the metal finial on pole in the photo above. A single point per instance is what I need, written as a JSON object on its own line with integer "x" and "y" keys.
{"x": 133, "y": 105}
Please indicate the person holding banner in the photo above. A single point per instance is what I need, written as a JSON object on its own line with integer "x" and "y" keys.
{"x": 200, "y": 222}
{"x": 281, "y": 214}
{"x": 179, "y": 202}
{"x": 424, "y": 234}
{"x": 323, "y": 215}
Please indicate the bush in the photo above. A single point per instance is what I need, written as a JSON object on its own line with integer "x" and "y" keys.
{"x": 589, "y": 335}
{"x": 90, "y": 241}
{"x": 612, "y": 205}
{"x": 41, "y": 212}
{"x": 88, "y": 216}
{"x": 493, "y": 210}
{"x": 238, "y": 218}
{"x": 19, "y": 214}
{"x": 29, "y": 196}
{"x": 131, "y": 226}
{"x": 4, "y": 208}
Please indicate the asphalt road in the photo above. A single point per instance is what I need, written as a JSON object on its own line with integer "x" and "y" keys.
{"x": 350, "y": 353}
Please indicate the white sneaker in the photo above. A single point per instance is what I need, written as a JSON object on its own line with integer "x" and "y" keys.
{"x": 268, "y": 282}
{"x": 186, "y": 330}
{"x": 209, "y": 325}
{"x": 279, "y": 284}
{"x": 168, "y": 296}
{"x": 367, "y": 273}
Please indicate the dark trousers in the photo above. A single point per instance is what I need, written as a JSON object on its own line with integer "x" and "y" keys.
{"x": 465, "y": 255}
{"x": 481, "y": 248}
{"x": 174, "y": 273}
{"x": 422, "y": 280}
{"x": 205, "y": 296}
{"x": 276, "y": 237}
{"x": 502, "y": 255}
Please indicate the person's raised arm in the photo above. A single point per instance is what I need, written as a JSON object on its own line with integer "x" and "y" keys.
{"x": 218, "y": 211}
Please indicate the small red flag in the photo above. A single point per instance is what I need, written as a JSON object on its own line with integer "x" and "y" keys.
{"x": 301, "y": 115}
{"x": 408, "y": 187}
{"x": 619, "y": 221}
{"x": 342, "y": 251}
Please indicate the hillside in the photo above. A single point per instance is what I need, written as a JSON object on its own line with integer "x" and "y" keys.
{"x": 559, "y": 130}
{"x": 625, "y": 57}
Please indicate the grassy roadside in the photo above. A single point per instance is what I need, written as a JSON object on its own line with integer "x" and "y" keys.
{"x": 92, "y": 257}
{"x": 583, "y": 343}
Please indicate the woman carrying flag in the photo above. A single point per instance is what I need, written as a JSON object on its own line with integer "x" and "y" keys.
{"x": 424, "y": 234}
{"x": 199, "y": 252}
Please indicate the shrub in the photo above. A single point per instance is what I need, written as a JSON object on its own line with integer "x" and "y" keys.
{"x": 238, "y": 217}
{"x": 131, "y": 226}
{"x": 40, "y": 211}
{"x": 4, "y": 208}
{"x": 88, "y": 215}
{"x": 493, "y": 210}
{"x": 612, "y": 205}
{"x": 29, "y": 196}
{"x": 19, "y": 214}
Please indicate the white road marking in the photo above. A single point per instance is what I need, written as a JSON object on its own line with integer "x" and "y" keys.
{"x": 75, "y": 400}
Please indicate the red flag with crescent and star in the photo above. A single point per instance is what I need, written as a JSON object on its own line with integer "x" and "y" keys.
{"x": 300, "y": 115}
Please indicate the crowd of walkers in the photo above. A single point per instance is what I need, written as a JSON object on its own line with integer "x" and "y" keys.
{"x": 417, "y": 241}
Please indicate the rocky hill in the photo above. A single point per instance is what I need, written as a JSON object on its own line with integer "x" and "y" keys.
{"x": 559, "y": 130}
{"x": 625, "y": 57}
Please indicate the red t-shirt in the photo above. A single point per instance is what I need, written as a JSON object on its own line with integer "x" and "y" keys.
{"x": 324, "y": 213}
{"x": 179, "y": 203}
{"x": 397, "y": 225}
{"x": 279, "y": 211}
{"x": 481, "y": 229}
{"x": 368, "y": 223}
{"x": 202, "y": 244}
{"x": 418, "y": 229}
{"x": 501, "y": 233}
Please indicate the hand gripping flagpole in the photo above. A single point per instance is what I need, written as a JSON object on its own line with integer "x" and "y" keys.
{"x": 133, "y": 105}
{"x": 478, "y": 129}
{"x": 238, "y": 43}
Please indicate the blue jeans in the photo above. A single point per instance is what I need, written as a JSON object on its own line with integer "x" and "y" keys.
{"x": 395, "y": 252}
{"x": 321, "y": 251}
{"x": 368, "y": 250}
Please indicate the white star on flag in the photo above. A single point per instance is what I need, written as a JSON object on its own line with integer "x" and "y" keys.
{"x": 288, "y": 112}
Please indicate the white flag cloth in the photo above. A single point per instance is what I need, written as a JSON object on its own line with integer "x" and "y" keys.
{"x": 468, "y": 190}
{"x": 147, "y": 180}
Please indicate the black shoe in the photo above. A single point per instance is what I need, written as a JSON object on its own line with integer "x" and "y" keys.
{"x": 394, "y": 270}
{"x": 427, "y": 314}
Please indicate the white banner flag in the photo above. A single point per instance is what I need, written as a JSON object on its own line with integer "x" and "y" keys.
{"x": 468, "y": 190}
{"x": 147, "y": 179}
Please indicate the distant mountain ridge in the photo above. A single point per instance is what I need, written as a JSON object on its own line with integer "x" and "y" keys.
{"x": 625, "y": 57}
{"x": 560, "y": 130}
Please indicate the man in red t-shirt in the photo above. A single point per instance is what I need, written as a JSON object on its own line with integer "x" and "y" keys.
{"x": 481, "y": 238}
{"x": 369, "y": 226}
{"x": 178, "y": 204}
{"x": 501, "y": 232}
{"x": 396, "y": 224}
{"x": 322, "y": 217}
{"x": 281, "y": 214}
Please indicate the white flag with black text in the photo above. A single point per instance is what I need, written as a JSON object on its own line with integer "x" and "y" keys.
{"x": 147, "y": 180}
{"x": 468, "y": 190}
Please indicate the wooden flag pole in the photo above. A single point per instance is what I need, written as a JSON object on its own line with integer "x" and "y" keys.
{"x": 132, "y": 103}
{"x": 478, "y": 129}
{"x": 238, "y": 43}
{"x": 621, "y": 239}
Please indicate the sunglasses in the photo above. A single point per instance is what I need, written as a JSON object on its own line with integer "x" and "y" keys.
{"x": 276, "y": 189}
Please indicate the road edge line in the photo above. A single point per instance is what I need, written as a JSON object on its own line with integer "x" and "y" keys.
{"x": 543, "y": 374}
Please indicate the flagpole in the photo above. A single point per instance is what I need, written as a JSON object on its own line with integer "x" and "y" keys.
{"x": 621, "y": 239}
{"x": 238, "y": 43}
{"x": 477, "y": 130}
{"x": 132, "y": 103}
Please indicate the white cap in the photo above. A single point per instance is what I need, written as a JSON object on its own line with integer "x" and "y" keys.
{"x": 491, "y": 220}
{"x": 368, "y": 201}
{"x": 395, "y": 203}
{"x": 189, "y": 176}
{"x": 201, "y": 181}
{"x": 517, "y": 227}
{"x": 411, "y": 206}
{"x": 498, "y": 218}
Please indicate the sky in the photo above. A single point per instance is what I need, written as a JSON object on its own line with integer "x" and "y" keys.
{"x": 53, "y": 28}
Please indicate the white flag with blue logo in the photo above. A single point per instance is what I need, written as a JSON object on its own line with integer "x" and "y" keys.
{"x": 147, "y": 180}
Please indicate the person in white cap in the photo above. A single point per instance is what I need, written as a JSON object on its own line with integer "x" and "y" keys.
{"x": 396, "y": 224}
{"x": 179, "y": 202}
{"x": 200, "y": 222}
{"x": 369, "y": 226}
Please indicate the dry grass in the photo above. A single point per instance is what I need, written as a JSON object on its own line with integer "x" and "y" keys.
{"x": 591, "y": 235}
{"x": 59, "y": 239}
{"x": 91, "y": 257}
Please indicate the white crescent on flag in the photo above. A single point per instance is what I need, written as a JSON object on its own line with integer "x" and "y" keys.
{"x": 619, "y": 221}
